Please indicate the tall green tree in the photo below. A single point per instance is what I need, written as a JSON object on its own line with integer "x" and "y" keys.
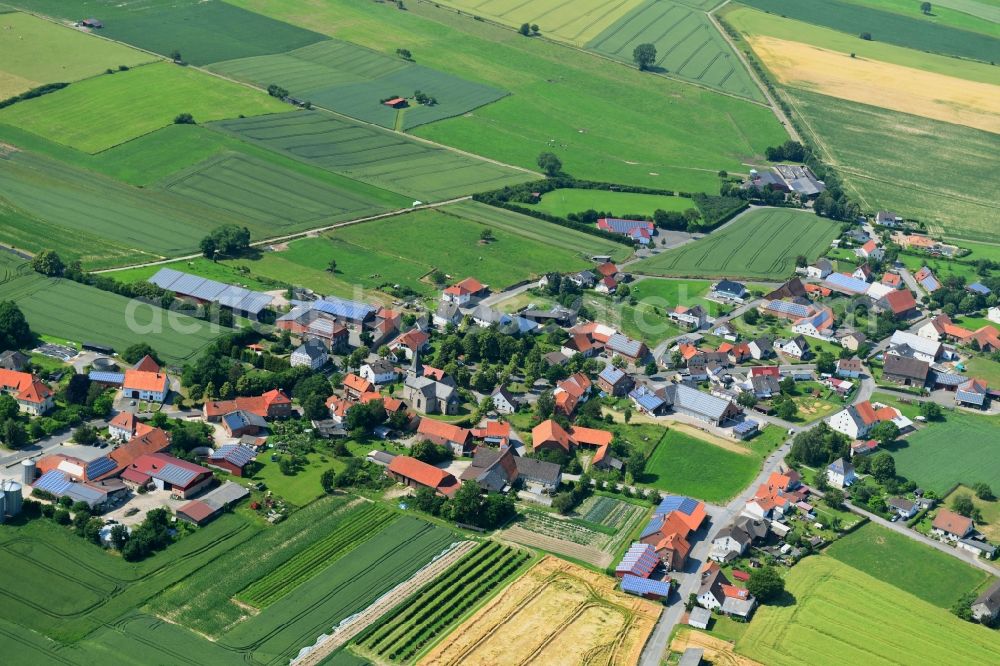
{"x": 644, "y": 56}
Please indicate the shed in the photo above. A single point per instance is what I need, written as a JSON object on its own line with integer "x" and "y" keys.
{"x": 395, "y": 102}
{"x": 699, "y": 617}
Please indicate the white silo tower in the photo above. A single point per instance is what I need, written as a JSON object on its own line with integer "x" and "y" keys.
{"x": 27, "y": 471}
{"x": 12, "y": 497}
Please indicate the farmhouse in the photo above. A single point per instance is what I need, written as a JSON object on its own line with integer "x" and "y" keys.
{"x": 904, "y": 343}
{"x": 497, "y": 471}
{"x": 201, "y": 290}
{"x": 233, "y": 458}
{"x": 819, "y": 269}
{"x": 494, "y": 433}
{"x": 32, "y": 396}
{"x": 395, "y": 102}
{"x": 145, "y": 381}
{"x": 905, "y": 370}
{"x": 311, "y": 354}
{"x": 273, "y": 404}
{"x": 14, "y": 360}
{"x": 856, "y": 421}
{"x": 951, "y": 526}
{"x": 416, "y": 474}
{"x": 458, "y": 439}
{"x": 465, "y": 291}
{"x": 899, "y": 302}
{"x": 633, "y": 351}
{"x": 774, "y": 498}
{"x": 165, "y": 472}
{"x": 639, "y": 231}
{"x": 126, "y": 425}
{"x": 614, "y": 381}
{"x": 582, "y": 345}
{"x": 734, "y": 540}
{"x": 240, "y": 423}
{"x": 647, "y": 401}
{"x": 817, "y": 325}
{"x": 379, "y": 371}
{"x": 412, "y": 341}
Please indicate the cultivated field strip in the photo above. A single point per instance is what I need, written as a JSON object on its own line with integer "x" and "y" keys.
{"x": 687, "y": 45}
{"x": 430, "y": 613}
{"x": 372, "y": 155}
{"x": 306, "y": 564}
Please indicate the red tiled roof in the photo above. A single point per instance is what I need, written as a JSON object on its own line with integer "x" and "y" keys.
{"x": 424, "y": 474}
{"x": 891, "y": 280}
{"x": 589, "y": 436}
{"x": 607, "y": 269}
{"x": 549, "y": 431}
{"x": 951, "y": 522}
{"x": 154, "y": 441}
{"x": 735, "y": 592}
{"x": 413, "y": 339}
{"x": 197, "y": 511}
{"x": 143, "y": 380}
{"x": 900, "y": 301}
{"x": 147, "y": 364}
{"x": 467, "y": 286}
{"x": 358, "y": 384}
{"x": 866, "y": 412}
{"x": 452, "y": 433}
{"x": 258, "y": 404}
{"x": 24, "y": 386}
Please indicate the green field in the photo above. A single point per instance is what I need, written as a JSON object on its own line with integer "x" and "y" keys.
{"x": 687, "y": 45}
{"x": 913, "y": 31}
{"x": 618, "y": 204}
{"x": 841, "y": 615}
{"x": 931, "y": 575}
{"x": 684, "y": 465}
{"x": 203, "y": 32}
{"x": 34, "y": 51}
{"x": 983, "y": 368}
{"x": 414, "y": 626}
{"x": 372, "y": 155}
{"x": 405, "y": 249}
{"x": 605, "y": 122}
{"x": 102, "y": 112}
{"x": 353, "y": 80}
{"x": 989, "y": 251}
{"x": 78, "y": 313}
{"x": 343, "y": 588}
{"x": 761, "y": 244}
{"x": 974, "y": 15}
{"x": 962, "y": 449}
{"x": 753, "y": 22}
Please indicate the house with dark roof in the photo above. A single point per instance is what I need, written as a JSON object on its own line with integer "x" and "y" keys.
{"x": 986, "y": 607}
{"x": 240, "y": 422}
{"x": 232, "y": 458}
{"x": 614, "y": 381}
{"x": 634, "y": 351}
{"x": 14, "y": 360}
{"x": 312, "y": 354}
{"x": 902, "y": 507}
{"x": 729, "y": 290}
{"x": 685, "y": 399}
{"x": 504, "y": 402}
{"x": 849, "y": 367}
{"x": 905, "y": 370}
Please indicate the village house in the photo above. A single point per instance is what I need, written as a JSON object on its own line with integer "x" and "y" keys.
{"x": 796, "y": 347}
{"x": 729, "y": 290}
{"x": 761, "y": 348}
{"x": 774, "y": 498}
{"x": 126, "y": 425}
{"x": 355, "y": 386}
{"x": 458, "y": 439}
{"x": 165, "y": 472}
{"x": 950, "y": 526}
{"x": 379, "y": 371}
{"x": 633, "y": 351}
{"x": 407, "y": 343}
{"x": 725, "y": 331}
{"x": 146, "y": 381}
{"x": 311, "y": 354}
{"x": 986, "y": 607}
{"x": 849, "y": 367}
{"x": 14, "y": 360}
{"x": 570, "y": 392}
{"x": 902, "y": 507}
{"x": 273, "y": 404}
{"x": 819, "y": 324}
{"x": 32, "y": 396}
{"x": 870, "y": 251}
{"x": 819, "y": 269}
{"x": 857, "y": 421}
{"x": 925, "y": 278}
{"x": 734, "y": 540}
{"x": 447, "y": 312}
{"x": 840, "y": 473}
{"x": 464, "y": 292}
{"x": 614, "y": 381}
{"x": 504, "y": 401}
{"x": 899, "y": 302}
{"x": 417, "y": 474}
{"x": 582, "y": 345}
{"x": 852, "y": 341}
{"x": 904, "y": 343}
{"x": 493, "y": 433}
{"x": 689, "y": 318}
{"x": 904, "y": 370}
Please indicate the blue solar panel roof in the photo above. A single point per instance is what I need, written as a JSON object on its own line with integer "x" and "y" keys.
{"x": 979, "y": 288}
{"x": 745, "y": 426}
{"x": 612, "y": 374}
{"x": 685, "y": 505}
{"x": 652, "y": 527}
{"x": 339, "y": 307}
{"x": 788, "y": 307}
{"x": 624, "y": 344}
{"x": 640, "y": 586}
{"x": 841, "y": 282}
{"x": 203, "y": 289}
{"x": 930, "y": 283}
{"x": 174, "y": 475}
{"x": 971, "y": 397}
{"x": 103, "y": 465}
{"x": 53, "y": 481}
{"x": 237, "y": 454}
{"x": 107, "y": 377}
{"x": 646, "y": 399}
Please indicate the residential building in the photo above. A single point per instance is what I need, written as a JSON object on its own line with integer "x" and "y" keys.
{"x": 684, "y": 399}
{"x": 165, "y": 472}
{"x": 14, "y": 360}
{"x": 857, "y": 421}
{"x": 951, "y": 526}
{"x": 993, "y": 314}
{"x": 849, "y": 367}
{"x": 726, "y": 332}
{"x": 986, "y": 607}
{"x": 647, "y": 401}
{"x": 633, "y": 351}
{"x": 126, "y": 425}
{"x": 356, "y": 386}
{"x": 233, "y": 458}
{"x": 458, "y": 439}
{"x": 504, "y": 401}
{"x": 32, "y": 396}
{"x": 819, "y": 324}
{"x": 762, "y": 348}
{"x": 447, "y": 312}
{"x": 311, "y": 354}
{"x": 840, "y": 473}
{"x": 544, "y": 476}
{"x": 640, "y": 231}
{"x": 853, "y": 341}
{"x": 412, "y": 341}
{"x": 819, "y": 269}
{"x": 902, "y": 507}
{"x": 417, "y": 474}
{"x": 240, "y": 423}
{"x": 887, "y": 219}
{"x": 734, "y": 540}
{"x": 905, "y": 370}
{"x": 582, "y": 345}
{"x": 870, "y": 251}
{"x": 689, "y": 318}
{"x": 796, "y": 347}
{"x": 461, "y": 293}
{"x": 614, "y": 381}
{"x": 379, "y": 371}
{"x": 570, "y": 392}
{"x": 908, "y": 344}
{"x": 900, "y": 302}
{"x": 925, "y": 278}
{"x": 493, "y": 433}
{"x": 146, "y": 381}
{"x": 729, "y": 290}
{"x": 273, "y": 404}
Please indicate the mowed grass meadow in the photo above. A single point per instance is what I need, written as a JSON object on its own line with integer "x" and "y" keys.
{"x": 687, "y": 45}
{"x": 962, "y": 449}
{"x": 74, "y": 312}
{"x": 841, "y": 615}
{"x": 665, "y": 133}
{"x": 405, "y": 249}
{"x": 761, "y": 244}
{"x": 929, "y": 574}
{"x": 932, "y": 170}
{"x": 34, "y": 51}
{"x": 105, "y": 111}
{"x": 372, "y": 155}
{"x": 686, "y": 465}
{"x": 203, "y": 32}
{"x": 566, "y": 201}
{"x": 353, "y": 80}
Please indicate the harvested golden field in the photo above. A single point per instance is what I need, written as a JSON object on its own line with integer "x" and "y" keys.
{"x": 557, "y": 613}
{"x": 717, "y": 651}
{"x": 881, "y": 84}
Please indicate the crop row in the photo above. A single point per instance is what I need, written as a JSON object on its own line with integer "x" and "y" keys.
{"x": 307, "y": 563}
{"x": 433, "y": 610}
{"x": 563, "y": 529}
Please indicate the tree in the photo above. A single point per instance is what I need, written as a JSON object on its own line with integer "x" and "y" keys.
{"x": 8, "y": 407}
{"x": 184, "y": 119}
{"x": 644, "y": 56}
{"x": 314, "y": 407}
{"x": 274, "y": 90}
{"x": 766, "y": 584}
{"x": 883, "y": 466}
{"x": 175, "y": 55}
{"x": 14, "y": 330}
{"x": 983, "y": 491}
{"x": 535, "y": 29}
{"x": 119, "y": 535}
{"x": 328, "y": 481}
{"x": 404, "y": 54}
{"x": 867, "y": 36}
{"x": 331, "y": 267}
{"x": 47, "y": 262}
{"x": 545, "y": 405}
{"x": 229, "y": 240}
{"x": 13, "y": 434}
{"x": 429, "y": 452}
{"x": 962, "y": 504}
{"x": 930, "y": 410}
{"x": 925, "y": 7}
{"x": 85, "y": 435}
{"x": 136, "y": 352}
{"x": 751, "y": 316}
{"x": 550, "y": 164}
{"x": 834, "y": 497}
{"x": 885, "y": 433}
{"x": 787, "y": 386}
{"x": 77, "y": 389}
{"x": 786, "y": 409}
{"x": 486, "y": 235}
{"x": 826, "y": 363}
{"x": 746, "y": 399}
{"x": 963, "y": 606}
{"x": 525, "y": 29}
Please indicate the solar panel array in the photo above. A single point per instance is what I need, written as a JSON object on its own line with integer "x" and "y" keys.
{"x": 644, "y": 586}
{"x": 611, "y": 374}
{"x": 686, "y": 397}
{"x": 107, "y": 377}
{"x": 842, "y": 283}
{"x": 788, "y": 308}
{"x": 236, "y": 454}
{"x": 745, "y": 427}
{"x": 175, "y": 475}
{"x": 195, "y": 286}
{"x": 53, "y": 481}
{"x": 971, "y": 397}
{"x": 646, "y": 399}
{"x": 340, "y": 307}
{"x": 100, "y": 466}
{"x": 685, "y": 505}
{"x": 625, "y": 345}
{"x": 640, "y": 560}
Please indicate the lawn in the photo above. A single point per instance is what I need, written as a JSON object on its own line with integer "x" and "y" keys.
{"x": 202, "y": 32}
{"x": 687, "y": 45}
{"x": 943, "y": 268}
{"x": 984, "y": 368}
{"x": 373, "y": 155}
{"x": 34, "y": 51}
{"x": 353, "y": 80}
{"x": 76, "y": 312}
{"x": 913, "y": 31}
{"x": 981, "y": 251}
{"x": 962, "y": 449}
{"x": 623, "y": 126}
{"x": 299, "y": 488}
{"x": 990, "y": 510}
{"x": 753, "y": 22}
{"x": 812, "y": 408}
{"x": 839, "y": 615}
{"x": 102, "y": 112}
{"x": 761, "y": 244}
{"x": 617, "y": 204}
{"x": 685, "y": 465}
{"x": 929, "y": 574}
{"x": 881, "y": 156}
{"x": 405, "y": 249}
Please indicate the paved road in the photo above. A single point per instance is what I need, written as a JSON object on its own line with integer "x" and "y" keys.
{"x": 44, "y": 445}
{"x": 690, "y": 580}
{"x": 901, "y": 528}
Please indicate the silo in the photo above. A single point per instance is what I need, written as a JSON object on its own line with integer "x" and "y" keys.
{"x": 3, "y": 508}
{"x": 12, "y": 497}
{"x": 27, "y": 471}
